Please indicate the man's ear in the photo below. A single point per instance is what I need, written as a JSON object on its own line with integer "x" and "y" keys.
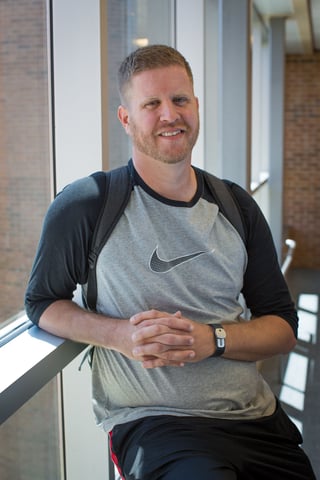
{"x": 123, "y": 116}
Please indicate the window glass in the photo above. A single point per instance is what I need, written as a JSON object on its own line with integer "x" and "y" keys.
{"x": 29, "y": 440}
{"x": 24, "y": 145}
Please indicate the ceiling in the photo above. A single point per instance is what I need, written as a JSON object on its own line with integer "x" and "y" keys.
{"x": 302, "y": 22}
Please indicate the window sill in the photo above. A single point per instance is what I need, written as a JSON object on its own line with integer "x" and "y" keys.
{"x": 28, "y": 362}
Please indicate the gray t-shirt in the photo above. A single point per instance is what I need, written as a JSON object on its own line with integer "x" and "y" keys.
{"x": 170, "y": 258}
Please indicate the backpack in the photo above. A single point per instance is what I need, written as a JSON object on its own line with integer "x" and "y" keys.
{"x": 118, "y": 188}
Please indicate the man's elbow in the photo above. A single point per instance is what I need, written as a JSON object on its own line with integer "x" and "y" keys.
{"x": 289, "y": 343}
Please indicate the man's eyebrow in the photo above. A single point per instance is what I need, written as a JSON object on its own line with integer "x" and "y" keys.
{"x": 150, "y": 99}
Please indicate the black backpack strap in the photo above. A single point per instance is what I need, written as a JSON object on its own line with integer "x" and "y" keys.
{"x": 227, "y": 203}
{"x": 118, "y": 189}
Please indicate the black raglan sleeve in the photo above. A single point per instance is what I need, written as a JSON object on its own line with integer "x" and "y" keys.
{"x": 60, "y": 262}
{"x": 265, "y": 289}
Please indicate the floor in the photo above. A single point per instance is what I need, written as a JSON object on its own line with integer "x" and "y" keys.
{"x": 300, "y": 386}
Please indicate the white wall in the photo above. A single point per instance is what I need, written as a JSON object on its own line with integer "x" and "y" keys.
{"x": 77, "y": 95}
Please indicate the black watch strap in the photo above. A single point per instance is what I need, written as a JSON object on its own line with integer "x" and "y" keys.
{"x": 219, "y": 335}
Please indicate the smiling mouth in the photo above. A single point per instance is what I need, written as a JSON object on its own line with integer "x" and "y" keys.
{"x": 171, "y": 134}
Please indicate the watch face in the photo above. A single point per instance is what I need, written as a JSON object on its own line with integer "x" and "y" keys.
{"x": 220, "y": 332}
{"x": 219, "y": 335}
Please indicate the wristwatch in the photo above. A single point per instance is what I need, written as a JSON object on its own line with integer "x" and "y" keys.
{"x": 219, "y": 335}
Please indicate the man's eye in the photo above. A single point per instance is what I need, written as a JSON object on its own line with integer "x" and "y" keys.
{"x": 180, "y": 100}
{"x": 152, "y": 104}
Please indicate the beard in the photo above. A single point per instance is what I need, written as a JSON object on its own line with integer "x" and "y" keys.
{"x": 155, "y": 146}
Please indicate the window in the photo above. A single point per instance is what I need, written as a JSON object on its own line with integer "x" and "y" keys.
{"x": 24, "y": 145}
{"x": 29, "y": 440}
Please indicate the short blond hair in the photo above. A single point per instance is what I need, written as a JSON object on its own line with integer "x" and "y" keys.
{"x": 149, "y": 58}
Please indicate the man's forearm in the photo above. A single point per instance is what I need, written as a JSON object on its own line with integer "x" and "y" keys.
{"x": 258, "y": 339}
{"x": 66, "y": 319}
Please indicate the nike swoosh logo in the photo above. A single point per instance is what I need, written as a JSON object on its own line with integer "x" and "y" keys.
{"x": 159, "y": 265}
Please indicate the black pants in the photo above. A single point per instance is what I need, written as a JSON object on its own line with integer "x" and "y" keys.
{"x": 189, "y": 448}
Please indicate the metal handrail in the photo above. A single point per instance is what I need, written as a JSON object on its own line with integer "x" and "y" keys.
{"x": 291, "y": 244}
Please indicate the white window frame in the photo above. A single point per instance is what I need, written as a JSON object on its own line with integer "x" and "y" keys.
{"x": 260, "y": 103}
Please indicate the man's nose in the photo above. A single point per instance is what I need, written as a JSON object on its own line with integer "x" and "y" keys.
{"x": 168, "y": 112}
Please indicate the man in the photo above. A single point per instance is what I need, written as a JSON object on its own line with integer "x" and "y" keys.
{"x": 181, "y": 399}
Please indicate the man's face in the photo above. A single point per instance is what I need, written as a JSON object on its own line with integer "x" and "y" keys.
{"x": 161, "y": 114}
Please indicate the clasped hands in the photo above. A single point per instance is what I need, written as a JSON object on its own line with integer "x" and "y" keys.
{"x": 162, "y": 339}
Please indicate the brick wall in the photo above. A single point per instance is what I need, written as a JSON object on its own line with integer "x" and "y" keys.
{"x": 302, "y": 158}
{"x": 24, "y": 144}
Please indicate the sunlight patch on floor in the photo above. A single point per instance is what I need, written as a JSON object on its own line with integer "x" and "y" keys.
{"x": 296, "y": 374}
{"x": 308, "y": 305}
